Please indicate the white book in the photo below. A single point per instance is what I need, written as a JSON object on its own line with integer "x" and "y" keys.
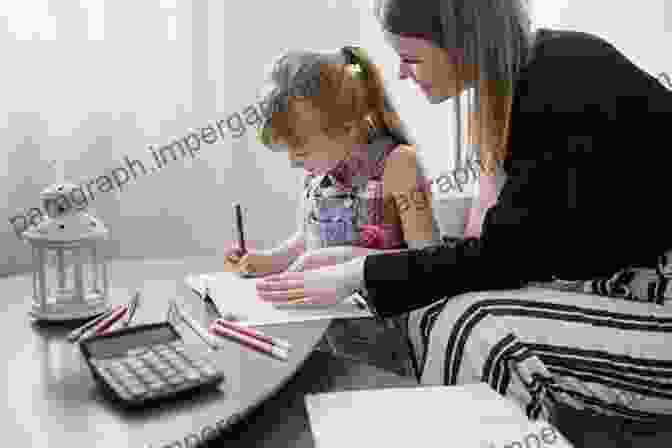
{"x": 468, "y": 416}
{"x": 236, "y": 295}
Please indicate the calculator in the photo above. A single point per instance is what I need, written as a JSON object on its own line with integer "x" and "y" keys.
{"x": 147, "y": 363}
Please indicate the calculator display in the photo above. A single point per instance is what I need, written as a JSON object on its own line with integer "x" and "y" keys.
{"x": 120, "y": 344}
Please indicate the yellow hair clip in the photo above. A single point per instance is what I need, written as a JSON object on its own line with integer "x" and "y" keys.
{"x": 263, "y": 135}
{"x": 359, "y": 56}
{"x": 358, "y": 63}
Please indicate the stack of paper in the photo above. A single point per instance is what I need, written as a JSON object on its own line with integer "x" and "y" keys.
{"x": 238, "y": 296}
{"x": 469, "y": 416}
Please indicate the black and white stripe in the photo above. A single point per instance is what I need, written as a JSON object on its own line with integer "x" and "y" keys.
{"x": 583, "y": 348}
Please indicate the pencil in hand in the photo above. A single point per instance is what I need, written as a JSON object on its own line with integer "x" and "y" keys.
{"x": 239, "y": 228}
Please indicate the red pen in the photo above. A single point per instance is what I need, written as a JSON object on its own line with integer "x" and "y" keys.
{"x": 250, "y": 342}
{"x": 253, "y": 333}
{"x": 103, "y": 325}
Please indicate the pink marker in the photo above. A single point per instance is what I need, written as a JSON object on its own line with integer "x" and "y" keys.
{"x": 251, "y": 332}
{"x": 101, "y": 327}
{"x": 250, "y": 342}
{"x": 104, "y": 324}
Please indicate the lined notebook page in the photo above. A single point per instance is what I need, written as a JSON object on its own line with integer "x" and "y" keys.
{"x": 238, "y": 296}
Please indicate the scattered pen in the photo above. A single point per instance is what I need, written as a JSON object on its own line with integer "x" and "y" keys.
{"x": 77, "y": 333}
{"x": 359, "y": 302}
{"x": 253, "y": 333}
{"x": 105, "y": 323}
{"x": 207, "y": 298}
{"x": 196, "y": 327}
{"x": 250, "y": 342}
{"x": 133, "y": 306}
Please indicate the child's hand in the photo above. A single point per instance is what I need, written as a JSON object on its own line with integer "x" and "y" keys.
{"x": 256, "y": 264}
{"x": 232, "y": 254}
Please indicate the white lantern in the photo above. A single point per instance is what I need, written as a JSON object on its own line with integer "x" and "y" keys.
{"x": 69, "y": 275}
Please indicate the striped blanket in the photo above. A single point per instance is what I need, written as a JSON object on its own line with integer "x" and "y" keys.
{"x": 601, "y": 344}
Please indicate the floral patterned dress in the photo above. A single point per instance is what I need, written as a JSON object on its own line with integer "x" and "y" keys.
{"x": 345, "y": 207}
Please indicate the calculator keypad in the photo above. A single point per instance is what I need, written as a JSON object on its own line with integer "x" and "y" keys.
{"x": 155, "y": 371}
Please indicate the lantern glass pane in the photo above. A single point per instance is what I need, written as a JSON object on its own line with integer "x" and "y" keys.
{"x": 92, "y": 271}
{"x": 69, "y": 279}
{"x": 36, "y": 291}
{"x": 51, "y": 280}
{"x": 60, "y": 273}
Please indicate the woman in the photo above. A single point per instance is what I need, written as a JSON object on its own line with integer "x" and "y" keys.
{"x": 560, "y": 112}
{"x": 331, "y": 114}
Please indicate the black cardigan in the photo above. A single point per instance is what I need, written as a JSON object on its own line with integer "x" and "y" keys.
{"x": 585, "y": 190}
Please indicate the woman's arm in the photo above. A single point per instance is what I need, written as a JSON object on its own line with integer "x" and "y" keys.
{"x": 404, "y": 184}
{"x": 566, "y": 210}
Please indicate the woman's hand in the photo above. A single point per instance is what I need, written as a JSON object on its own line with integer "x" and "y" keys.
{"x": 325, "y": 286}
{"x": 329, "y": 256}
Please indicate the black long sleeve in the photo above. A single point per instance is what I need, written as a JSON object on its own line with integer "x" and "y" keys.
{"x": 584, "y": 189}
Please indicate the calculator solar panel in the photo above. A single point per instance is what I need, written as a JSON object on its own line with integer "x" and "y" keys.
{"x": 146, "y": 363}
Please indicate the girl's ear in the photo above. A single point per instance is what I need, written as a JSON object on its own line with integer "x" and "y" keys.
{"x": 356, "y": 130}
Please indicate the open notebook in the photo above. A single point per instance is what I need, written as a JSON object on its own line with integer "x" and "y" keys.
{"x": 238, "y": 296}
{"x": 468, "y": 416}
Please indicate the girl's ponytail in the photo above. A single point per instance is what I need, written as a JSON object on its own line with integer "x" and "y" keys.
{"x": 379, "y": 102}
{"x": 381, "y": 107}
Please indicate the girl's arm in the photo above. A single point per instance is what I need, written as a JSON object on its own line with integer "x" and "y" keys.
{"x": 290, "y": 248}
{"x": 404, "y": 183}
{"x": 294, "y": 246}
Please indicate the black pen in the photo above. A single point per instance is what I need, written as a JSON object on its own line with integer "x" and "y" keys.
{"x": 213, "y": 306}
{"x": 239, "y": 227}
{"x": 207, "y": 299}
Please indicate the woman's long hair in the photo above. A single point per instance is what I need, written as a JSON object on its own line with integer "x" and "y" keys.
{"x": 493, "y": 35}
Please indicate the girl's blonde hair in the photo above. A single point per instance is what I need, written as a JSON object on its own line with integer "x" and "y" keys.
{"x": 495, "y": 36}
{"x": 345, "y": 88}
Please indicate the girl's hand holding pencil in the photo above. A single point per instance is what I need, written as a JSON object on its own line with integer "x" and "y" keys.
{"x": 250, "y": 263}
{"x": 253, "y": 263}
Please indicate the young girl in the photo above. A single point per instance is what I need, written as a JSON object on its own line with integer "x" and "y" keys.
{"x": 364, "y": 190}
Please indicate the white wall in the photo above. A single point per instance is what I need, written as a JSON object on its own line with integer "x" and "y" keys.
{"x": 641, "y": 30}
{"x": 87, "y": 91}
{"x": 89, "y": 82}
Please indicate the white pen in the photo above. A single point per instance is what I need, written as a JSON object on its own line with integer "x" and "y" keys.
{"x": 198, "y": 328}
